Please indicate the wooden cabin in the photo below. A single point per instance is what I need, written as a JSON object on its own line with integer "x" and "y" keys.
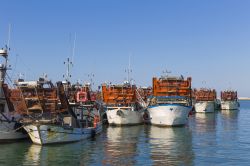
{"x": 29, "y": 99}
{"x": 172, "y": 86}
{"x": 204, "y": 94}
{"x": 229, "y": 95}
{"x": 119, "y": 94}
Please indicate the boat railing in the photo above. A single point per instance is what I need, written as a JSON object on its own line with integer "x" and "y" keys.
{"x": 129, "y": 107}
{"x": 169, "y": 100}
{"x": 140, "y": 100}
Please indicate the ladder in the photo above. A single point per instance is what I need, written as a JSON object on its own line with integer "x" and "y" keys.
{"x": 140, "y": 100}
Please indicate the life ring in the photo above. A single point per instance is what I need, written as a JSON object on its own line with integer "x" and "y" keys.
{"x": 81, "y": 96}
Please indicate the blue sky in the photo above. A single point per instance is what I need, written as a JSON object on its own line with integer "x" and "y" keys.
{"x": 208, "y": 40}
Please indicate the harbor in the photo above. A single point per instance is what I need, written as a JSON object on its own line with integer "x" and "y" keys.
{"x": 124, "y": 83}
{"x": 120, "y": 124}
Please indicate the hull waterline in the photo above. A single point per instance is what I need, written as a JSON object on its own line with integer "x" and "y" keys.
{"x": 229, "y": 105}
{"x": 52, "y": 134}
{"x": 168, "y": 114}
{"x": 119, "y": 116}
{"x": 204, "y": 106}
{"x": 9, "y": 132}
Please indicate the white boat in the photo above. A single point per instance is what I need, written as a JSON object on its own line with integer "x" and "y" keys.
{"x": 10, "y": 128}
{"x": 204, "y": 100}
{"x": 229, "y": 100}
{"x": 168, "y": 114}
{"x": 171, "y": 101}
{"x": 124, "y": 116}
{"x": 123, "y": 104}
{"x": 204, "y": 106}
{"x": 49, "y": 134}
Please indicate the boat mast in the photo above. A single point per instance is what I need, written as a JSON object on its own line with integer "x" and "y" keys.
{"x": 73, "y": 49}
{"x": 3, "y": 66}
{"x": 91, "y": 77}
{"x": 68, "y": 64}
{"x": 166, "y": 73}
{"x": 8, "y": 42}
{"x": 128, "y": 70}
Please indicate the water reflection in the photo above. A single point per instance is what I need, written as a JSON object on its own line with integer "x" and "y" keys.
{"x": 61, "y": 154}
{"x": 13, "y": 153}
{"x": 121, "y": 145}
{"x": 229, "y": 119}
{"x": 32, "y": 157}
{"x": 204, "y": 122}
{"x": 204, "y": 127}
{"x": 171, "y": 146}
{"x": 230, "y": 114}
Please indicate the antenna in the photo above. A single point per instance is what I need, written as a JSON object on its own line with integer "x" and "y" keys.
{"x": 73, "y": 49}
{"x": 204, "y": 82}
{"x": 4, "y": 65}
{"x": 8, "y": 42}
{"x": 166, "y": 72}
{"x": 20, "y": 75}
{"x": 68, "y": 64}
{"x": 129, "y": 70}
{"x": 45, "y": 76}
{"x": 91, "y": 76}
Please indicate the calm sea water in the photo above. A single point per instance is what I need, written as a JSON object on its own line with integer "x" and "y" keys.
{"x": 221, "y": 138}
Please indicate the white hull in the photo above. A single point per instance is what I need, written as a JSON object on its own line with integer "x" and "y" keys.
{"x": 124, "y": 116}
{"x": 49, "y": 134}
{"x": 9, "y": 133}
{"x": 229, "y": 105}
{"x": 204, "y": 106}
{"x": 168, "y": 114}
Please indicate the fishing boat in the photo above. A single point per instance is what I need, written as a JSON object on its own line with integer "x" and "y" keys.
{"x": 47, "y": 116}
{"x": 205, "y": 100}
{"x": 229, "y": 100}
{"x": 171, "y": 101}
{"x": 89, "y": 100}
{"x": 10, "y": 128}
{"x": 123, "y": 104}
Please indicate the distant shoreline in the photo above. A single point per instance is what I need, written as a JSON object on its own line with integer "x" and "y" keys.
{"x": 244, "y": 98}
